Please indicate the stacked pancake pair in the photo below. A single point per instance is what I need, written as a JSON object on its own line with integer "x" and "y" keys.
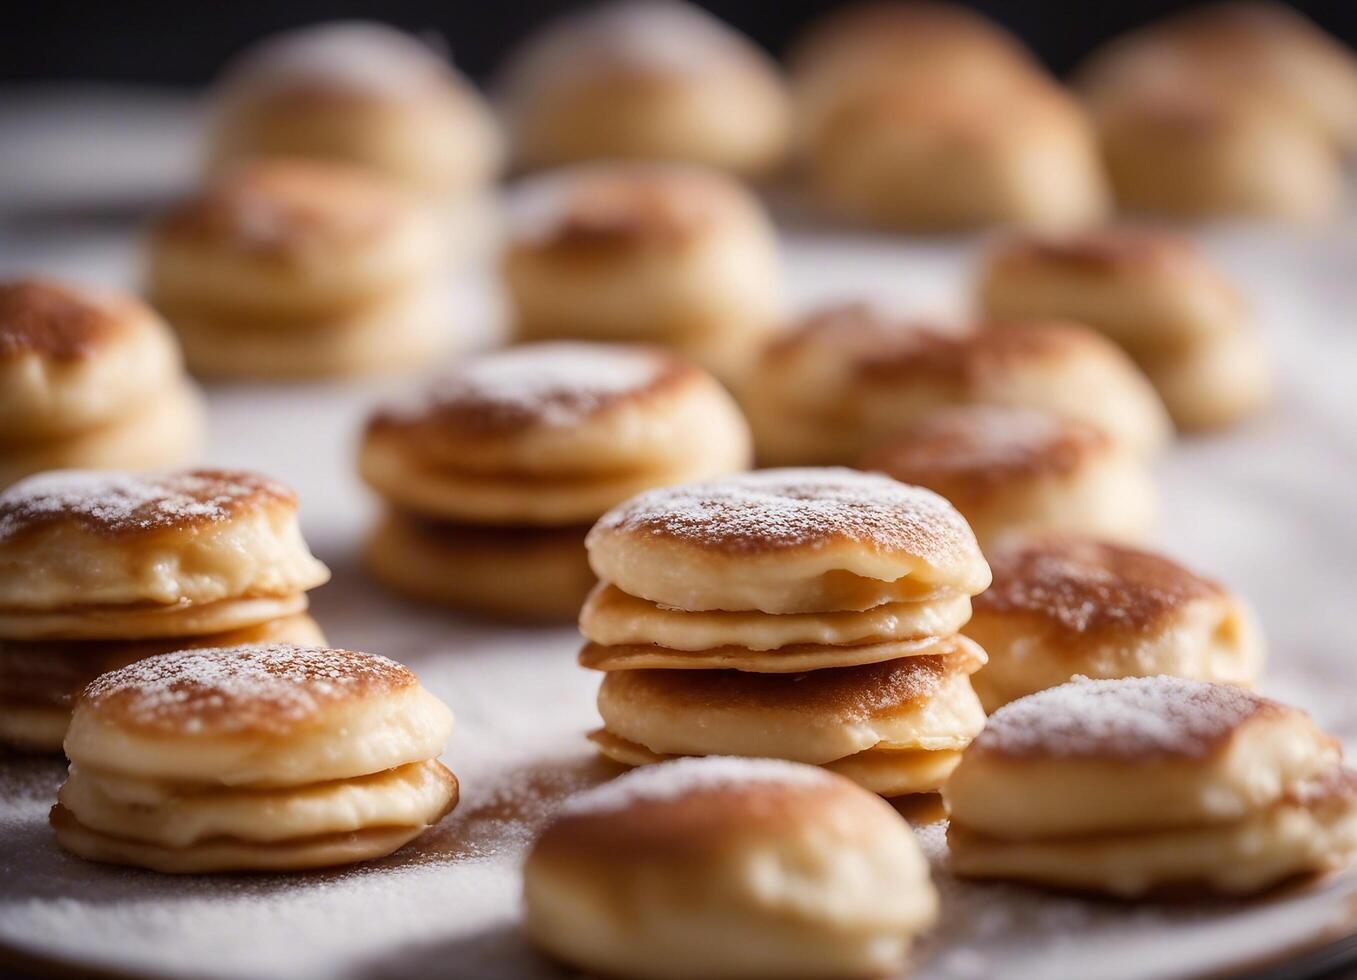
{"x": 803, "y": 614}
{"x": 1151, "y": 785}
{"x": 1159, "y": 297}
{"x": 292, "y": 268}
{"x": 253, "y": 758}
{"x": 495, "y": 475}
{"x": 100, "y": 569}
{"x": 88, "y": 379}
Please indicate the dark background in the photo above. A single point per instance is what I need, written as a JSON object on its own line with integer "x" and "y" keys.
{"x": 184, "y": 42}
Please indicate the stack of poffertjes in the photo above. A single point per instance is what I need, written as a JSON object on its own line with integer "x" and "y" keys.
{"x": 809, "y": 615}
{"x": 99, "y": 569}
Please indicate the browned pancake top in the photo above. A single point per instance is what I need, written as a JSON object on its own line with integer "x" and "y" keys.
{"x": 1102, "y": 252}
{"x": 785, "y": 510}
{"x": 981, "y": 448}
{"x": 118, "y": 504}
{"x": 225, "y": 691}
{"x": 56, "y": 321}
{"x": 1085, "y": 586}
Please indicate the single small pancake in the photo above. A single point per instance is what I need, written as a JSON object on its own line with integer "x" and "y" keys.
{"x": 1200, "y": 153}
{"x": 1016, "y": 469}
{"x": 404, "y": 329}
{"x": 74, "y": 359}
{"x": 665, "y": 873}
{"x": 885, "y": 772}
{"x": 787, "y": 541}
{"x": 1131, "y": 756}
{"x": 291, "y": 238}
{"x": 645, "y": 81}
{"x": 52, "y": 674}
{"x": 1149, "y": 290}
{"x": 1063, "y": 605}
{"x": 1256, "y": 51}
{"x": 1214, "y": 383}
{"x": 846, "y": 378}
{"x": 33, "y": 728}
{"x": 918, "y": 702}
{"x": 359, "y": 92}
{"x": 552, "y": 434}
{"x": 164, "y": 429}
{"x": 524, "y": 573}
{"x": 932, "y": 158}
{"x": 795, "y": 658}
{"x": 225, "y": 854}
{"x": 94, "y": 539}
{"x": 1312, "y": 829}
{"x": 175, "y": 817}
{"x": 148, "y": 621}
{"x": 663, "y": 254}
{"x": 611, "y": 618}
{"x": 256, "y": 716}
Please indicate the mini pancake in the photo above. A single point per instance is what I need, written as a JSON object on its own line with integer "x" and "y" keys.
{"x": 885, "y": 772}
{"x": 1151, "y": 291}
{"x": 612, "y": 618}
{"x": 1063, "y": 605}
{"x": 630, "y": 875}
{"x": 1156, "y": 295}
{"x": 72, "y": 540}
{"x": 164, "y": 429}
{"x": 846, "y": 378}
{"x": 270, "y": 716}
{"x": 148, "y": 621}
{"x": 787, "y": 541}
{"x": 42, "y": 679}
{"x": 929, "y": 158}
{"x": 1312, "y": 829}
{"x": 1015, "y": 469}
{"x": 1132, "y": 756}
{"x": 290, "y": 239}
{"x": 177, "y": 817}
{"x": 552, "y": 434}
{"x": 1198, "y": 153}
{"x": 1258, "y": 51}
{"x": 242, "y": 758}
{"x": 362, "y": 93}
{"x": 396, "y": 332}
{"x": 656, "y": 81}
{"x": 916, "y": 702}
{"x": 520, "y": 573}
{"x": 796, "y": 658}
{"x": 74, "y": 359}
{"x": 663, "y": 254}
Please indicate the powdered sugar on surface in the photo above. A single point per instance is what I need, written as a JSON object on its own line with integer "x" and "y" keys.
{"x": 222, "y": 691}
{"x": 784, "y": 509}
{"x": 114, "y": 502}
{"x": 550, "y": 384}
{"x": 675, "y": 780}
{"x": 1128, "y": 718}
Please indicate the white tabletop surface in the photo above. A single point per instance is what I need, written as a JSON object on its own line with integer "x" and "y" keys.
{"x": 1271, "y": 508}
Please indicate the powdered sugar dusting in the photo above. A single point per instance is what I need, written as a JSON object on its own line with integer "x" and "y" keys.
{"x": 1085, "y": 586}
{"x": 224, "y": 690}
{"x": 669, "y": 781}
{"x": 1127, "y": 718}
{"x": 112, "y": 502}
{"x": 553, "y": 384}
{"x": 782, "y": 509}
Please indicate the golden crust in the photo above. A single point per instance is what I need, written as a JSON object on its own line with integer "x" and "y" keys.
{"x": 224, "y": 692}
{"x": 844, "y": 694}
{"x": 1088, "y": 589}
{"x": 1102, "y": 253}
{"x": 791, "y": 659}
{"x": 118, "y": 505}
{"x": 52, "y": 320}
